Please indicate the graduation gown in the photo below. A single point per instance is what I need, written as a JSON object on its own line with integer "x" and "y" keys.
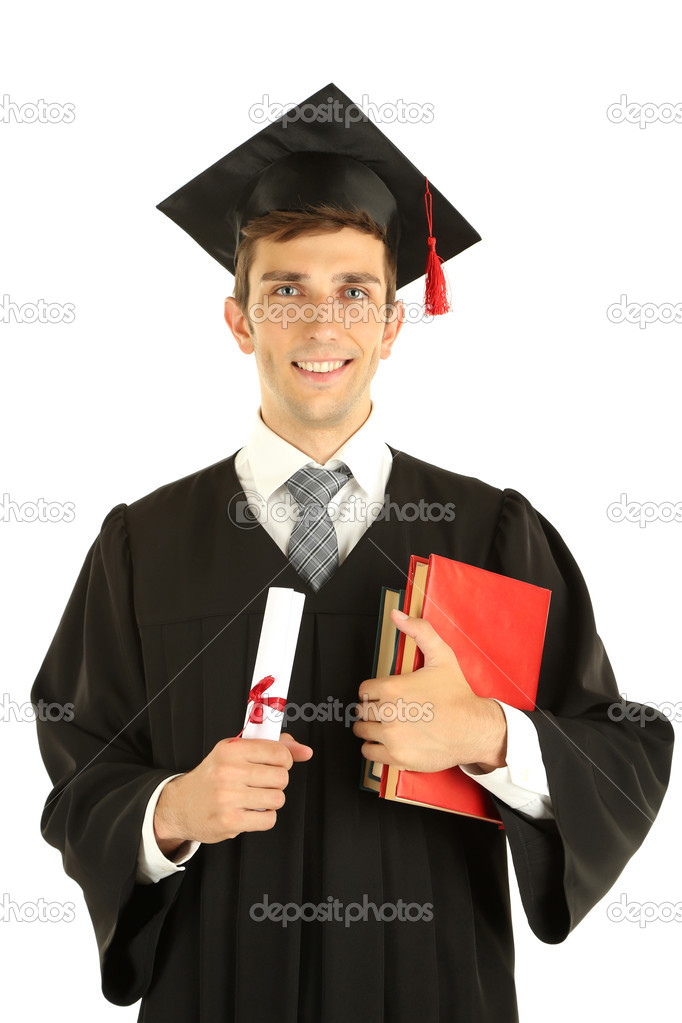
{"x": 156, "y": 651}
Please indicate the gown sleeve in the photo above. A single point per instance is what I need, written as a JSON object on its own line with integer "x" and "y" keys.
{"x": 606, "y": 777}
{"x": 99, "y": 759}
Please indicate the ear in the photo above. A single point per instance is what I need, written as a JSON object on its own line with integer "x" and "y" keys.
{"x": 238, "y": 324}
{"x": 392, "y": 328}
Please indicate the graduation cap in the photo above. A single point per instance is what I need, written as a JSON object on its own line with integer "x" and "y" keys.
{"x": 325, "y": 150}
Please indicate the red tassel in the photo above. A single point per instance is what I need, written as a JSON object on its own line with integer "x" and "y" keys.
{"x": 436, "y": 300}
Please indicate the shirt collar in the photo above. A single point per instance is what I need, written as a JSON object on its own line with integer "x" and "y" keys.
{"x": 273, "y": 460}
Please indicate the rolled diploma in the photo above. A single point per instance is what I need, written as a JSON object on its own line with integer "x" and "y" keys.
{"x": 275, "y": 656}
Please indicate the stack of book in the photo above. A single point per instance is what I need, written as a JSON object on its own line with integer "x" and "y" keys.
{"x": 496, "y": 627}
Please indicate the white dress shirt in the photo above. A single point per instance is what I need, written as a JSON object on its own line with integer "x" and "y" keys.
{"x": 263, "y": 466}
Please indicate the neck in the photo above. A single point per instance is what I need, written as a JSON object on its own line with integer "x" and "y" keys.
{"x": 319, "y": 443}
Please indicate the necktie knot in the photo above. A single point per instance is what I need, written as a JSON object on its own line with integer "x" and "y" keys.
{"x": 317, "y": 486}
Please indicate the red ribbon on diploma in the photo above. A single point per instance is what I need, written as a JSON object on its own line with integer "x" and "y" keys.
{"x": 258, "y": 700}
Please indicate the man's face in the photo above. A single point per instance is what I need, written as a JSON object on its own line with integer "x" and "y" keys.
{"x": 317, "y": 298}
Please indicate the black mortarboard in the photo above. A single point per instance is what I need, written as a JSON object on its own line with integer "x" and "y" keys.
{"x": 325, "y": 150}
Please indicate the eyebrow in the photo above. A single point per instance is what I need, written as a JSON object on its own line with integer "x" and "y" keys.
{"x": 349, "y": 277}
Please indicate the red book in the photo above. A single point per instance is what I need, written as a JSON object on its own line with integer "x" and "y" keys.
{"x": 496, "y": 627}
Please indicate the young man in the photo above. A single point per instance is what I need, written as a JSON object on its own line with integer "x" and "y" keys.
{"x": 184, "y": 841}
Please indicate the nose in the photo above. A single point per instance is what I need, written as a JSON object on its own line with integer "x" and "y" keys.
{"x": 326, "y": 326}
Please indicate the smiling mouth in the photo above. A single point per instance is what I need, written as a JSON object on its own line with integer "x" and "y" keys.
{"x": 322, "y": 370}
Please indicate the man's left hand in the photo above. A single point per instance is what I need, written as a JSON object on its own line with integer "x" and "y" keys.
{"x": 429, "y": 719}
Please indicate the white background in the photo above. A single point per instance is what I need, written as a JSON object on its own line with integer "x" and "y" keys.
{"x": 527, "y": 384}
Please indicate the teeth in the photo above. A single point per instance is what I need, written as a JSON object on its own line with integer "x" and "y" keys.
{"x": 321, "y": 367}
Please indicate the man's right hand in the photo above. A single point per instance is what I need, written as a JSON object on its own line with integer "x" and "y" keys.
{"x": 223, "y": 795}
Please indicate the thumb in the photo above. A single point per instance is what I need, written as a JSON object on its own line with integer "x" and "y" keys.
{"x": 424, "y": 635}
{"x": 298, "y": 750}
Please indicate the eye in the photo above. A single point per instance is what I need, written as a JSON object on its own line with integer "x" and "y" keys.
{"x": 360, "y": 292}
{"x": 279, "y": 289}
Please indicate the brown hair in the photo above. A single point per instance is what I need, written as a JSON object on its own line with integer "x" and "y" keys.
{"x": 283, "y": 225}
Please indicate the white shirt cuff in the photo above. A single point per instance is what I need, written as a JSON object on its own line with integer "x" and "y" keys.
{"x": 522, "y": 783}
{"x": 152, "y": 865}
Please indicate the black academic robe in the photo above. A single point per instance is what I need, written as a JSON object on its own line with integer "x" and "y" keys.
{"x": 156, "y": 651}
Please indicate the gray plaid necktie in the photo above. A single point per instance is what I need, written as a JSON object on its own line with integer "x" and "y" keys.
{"x": 313, "y": 548}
